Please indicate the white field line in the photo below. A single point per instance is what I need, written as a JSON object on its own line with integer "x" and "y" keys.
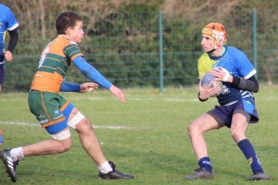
{"x": 38, "y": 125}
{"x": 135, "y": 99}
{"x": 140, "y": 99}
{"x": 127, "y": 99}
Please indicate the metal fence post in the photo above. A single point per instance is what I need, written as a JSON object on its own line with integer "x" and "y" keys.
{"x": 160, "y": 30}
{"x": 254, "y": 15}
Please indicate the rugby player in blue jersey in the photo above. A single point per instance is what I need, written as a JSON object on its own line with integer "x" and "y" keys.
{"x": 236, "y": 107}
{"x": 8, "y": 23}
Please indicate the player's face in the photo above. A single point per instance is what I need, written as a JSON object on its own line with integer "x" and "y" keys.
{"x": 76, "y": 34}
{"x": 207, "y": 43}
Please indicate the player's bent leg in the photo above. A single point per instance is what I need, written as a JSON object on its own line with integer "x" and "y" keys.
{"x": 11, "y": 156}
{"x": 91, "y": 145}
{"x": 61, "y": 142}
{"x": 87, "y": 136}
{"x": 238, "y": 128}
{"x": 196, "y": 130}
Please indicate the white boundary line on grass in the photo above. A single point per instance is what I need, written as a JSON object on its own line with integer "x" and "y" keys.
{"x": 38, "y": 125}
{"x": 128, "y": 99}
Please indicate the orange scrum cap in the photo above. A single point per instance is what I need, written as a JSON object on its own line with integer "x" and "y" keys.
{"x": 217, "y": 31}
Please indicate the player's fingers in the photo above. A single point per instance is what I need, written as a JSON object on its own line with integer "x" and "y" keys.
{"x": 121, "y": 97}
{"x": 8, "y": 58}
{"x": 93, "y": 85}
{"x": 8, "y": 55}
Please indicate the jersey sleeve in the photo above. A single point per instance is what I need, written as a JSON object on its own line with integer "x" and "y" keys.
{"x": 11, "y": 22}
{"x": 72, "y": 51}
{"x": 245, "y": 67}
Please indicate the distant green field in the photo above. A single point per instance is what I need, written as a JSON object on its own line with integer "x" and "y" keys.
{"x": 146, "y": 137}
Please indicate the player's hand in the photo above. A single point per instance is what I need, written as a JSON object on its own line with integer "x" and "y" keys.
{"x": 118, "y": 93}
{"x": 88, "y": 87}
{"x": 206, "y": 92}
{"x": 8, "y": 55}
{"x": 222, "y": 74}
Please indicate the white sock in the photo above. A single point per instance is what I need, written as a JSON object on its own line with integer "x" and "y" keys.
{"x": 105, "y": 167}
{"x": 17, "y": 153}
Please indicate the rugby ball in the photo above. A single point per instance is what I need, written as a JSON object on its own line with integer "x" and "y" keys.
{"x": 207, "y": 78}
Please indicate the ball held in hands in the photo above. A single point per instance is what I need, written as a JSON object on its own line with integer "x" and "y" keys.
{"x": 207, "y": 78}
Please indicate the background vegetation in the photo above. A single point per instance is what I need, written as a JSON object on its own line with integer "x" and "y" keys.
{"x": 122, "y": 40}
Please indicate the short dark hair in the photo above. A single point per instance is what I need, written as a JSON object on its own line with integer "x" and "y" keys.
{"x": 66, "y": 20}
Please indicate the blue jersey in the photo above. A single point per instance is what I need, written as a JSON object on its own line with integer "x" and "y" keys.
{"x": 237, "y": 64}
{"x": 7, "y": 22}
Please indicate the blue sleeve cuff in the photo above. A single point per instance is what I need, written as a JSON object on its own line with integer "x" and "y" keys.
{"x": 69, "y": 87}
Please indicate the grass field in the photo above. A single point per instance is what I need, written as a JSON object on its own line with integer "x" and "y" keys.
{"x": 146, "y": 137}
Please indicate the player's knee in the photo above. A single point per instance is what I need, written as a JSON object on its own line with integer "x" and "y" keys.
{"x": 237, "y": 136}
{"x": 64, "y": 138}
{"x": 66, "y": 146}
{"x": 192, "y": 128}
{"x": 85, "y": 126}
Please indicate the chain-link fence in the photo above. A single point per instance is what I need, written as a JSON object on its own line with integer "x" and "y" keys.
{"x": 148, "y": 49}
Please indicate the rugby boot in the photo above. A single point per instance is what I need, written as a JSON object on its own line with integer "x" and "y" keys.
{"x": 10, "y": 163}
{"x": 201, "y": 173}
{"x": 259, "y": 176}
{"x": 114, "y": 174}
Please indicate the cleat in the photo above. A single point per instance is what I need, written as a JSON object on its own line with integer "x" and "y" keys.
{"x": 10, "y": 163}
{"x": 114, "y": 174}
{"x": 201, "y": 173}
{"x": 259, "y": 176}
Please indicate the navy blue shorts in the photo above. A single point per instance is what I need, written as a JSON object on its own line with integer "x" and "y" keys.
{"x": 223, "y": 114}
{"x": 2, "y": 73}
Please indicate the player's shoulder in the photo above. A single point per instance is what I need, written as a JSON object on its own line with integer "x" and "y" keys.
{"x": 5, "y": 9}
{"x": 204, "y": 59}
{"x": 236, "y": 53}
{"x": 63, "y": 40}
{"x": 2, "y": 6}
{"x": 204, "y": 56}
{"x": 234, "y": 49}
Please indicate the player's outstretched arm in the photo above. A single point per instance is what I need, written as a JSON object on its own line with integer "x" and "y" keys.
{"x": 90, "y": 72}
